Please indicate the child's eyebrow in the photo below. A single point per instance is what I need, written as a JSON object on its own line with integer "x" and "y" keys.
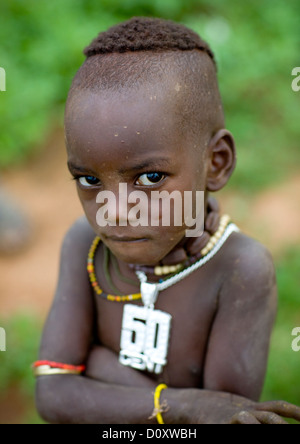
{"x": 146, "y": 164}
{"x": 149, "y": 163}
{"x": 78, "y": 169}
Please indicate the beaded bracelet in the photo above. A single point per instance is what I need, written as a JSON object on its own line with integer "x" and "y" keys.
{"x": 43, "y": 368}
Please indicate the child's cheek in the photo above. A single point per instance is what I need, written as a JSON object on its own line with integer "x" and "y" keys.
{"x": 89, "y": 205}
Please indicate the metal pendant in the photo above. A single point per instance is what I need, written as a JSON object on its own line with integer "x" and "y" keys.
{"x": 145, "y": 338}
{"x": 145, "y": 332}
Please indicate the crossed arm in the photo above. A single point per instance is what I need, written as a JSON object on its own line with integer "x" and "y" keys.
{"x": 206, "y": 406}
{"x": 96, "y": 398}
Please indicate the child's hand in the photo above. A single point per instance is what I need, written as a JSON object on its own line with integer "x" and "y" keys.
{"x": 268, "y": 413}
{"x": 214, "y": 407}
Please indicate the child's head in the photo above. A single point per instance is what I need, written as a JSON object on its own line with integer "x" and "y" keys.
{"x": 144, "y": 109}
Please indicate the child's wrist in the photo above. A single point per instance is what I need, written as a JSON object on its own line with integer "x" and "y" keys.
{"x": 159, "y": 406}
{"x": 175, "y": 405}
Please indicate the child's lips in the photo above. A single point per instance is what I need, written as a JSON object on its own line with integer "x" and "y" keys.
{"x": 126, "y": 239}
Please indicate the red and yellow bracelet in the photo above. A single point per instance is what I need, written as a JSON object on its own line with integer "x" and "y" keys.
{"x": 42, "y": 368}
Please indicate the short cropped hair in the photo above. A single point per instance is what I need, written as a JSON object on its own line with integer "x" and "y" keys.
{"x": 143, "y": 50}
{"x": 147, "y": 34}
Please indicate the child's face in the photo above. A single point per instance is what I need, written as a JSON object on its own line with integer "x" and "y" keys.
{"x": 133, "y": 138}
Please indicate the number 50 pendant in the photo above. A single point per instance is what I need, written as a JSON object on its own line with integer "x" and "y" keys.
{"x": 144, "y": 338}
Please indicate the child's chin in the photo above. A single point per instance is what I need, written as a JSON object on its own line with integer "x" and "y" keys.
{"x": 138, "y": 253}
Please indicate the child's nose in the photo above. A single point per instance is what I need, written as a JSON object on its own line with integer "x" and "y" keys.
{"x": 121, "y": 210}
{"x": 114, "y": 206}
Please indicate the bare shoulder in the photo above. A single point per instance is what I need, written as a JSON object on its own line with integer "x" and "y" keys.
{"x": 249, "y": 268}
{"x": 76, "y": 242}
{"x": 73, "y": 259}
{"x": 248, "y": 254}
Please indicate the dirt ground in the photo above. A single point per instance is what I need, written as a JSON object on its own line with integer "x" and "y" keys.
{"x": 45, "y": 191}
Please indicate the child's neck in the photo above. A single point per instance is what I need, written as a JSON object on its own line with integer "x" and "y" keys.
{"x": 185, "y": 253}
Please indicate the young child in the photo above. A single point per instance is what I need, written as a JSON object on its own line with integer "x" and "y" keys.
{"x": 144, "y": 110}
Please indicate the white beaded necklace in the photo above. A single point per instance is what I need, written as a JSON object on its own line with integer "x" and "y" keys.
{"x": 146, "y": 331}
{"x": 156, "y": 287}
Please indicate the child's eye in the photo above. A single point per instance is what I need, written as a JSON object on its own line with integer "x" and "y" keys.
{"x": 88, "y": 181}
{"x": 150, "y": 178}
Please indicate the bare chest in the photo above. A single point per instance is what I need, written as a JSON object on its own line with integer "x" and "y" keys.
{"x": 182, "y": 316}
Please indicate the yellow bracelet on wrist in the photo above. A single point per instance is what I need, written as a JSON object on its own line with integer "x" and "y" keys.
{"x": 158, "y": 408}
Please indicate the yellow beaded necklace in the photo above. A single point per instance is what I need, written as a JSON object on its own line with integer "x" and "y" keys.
{"x": 224, "y": 221}
{"x": 94, "y": 282}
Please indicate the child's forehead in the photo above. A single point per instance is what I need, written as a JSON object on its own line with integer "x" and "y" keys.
{"x": 172, "y": 94}
{"x": 131, "y": 127}
{"x": 168, "y": 90}
{"x": 150, "y": 105}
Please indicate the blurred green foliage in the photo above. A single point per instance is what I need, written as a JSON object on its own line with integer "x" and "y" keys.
{"x": 23, "y": 333}
{"x": 256, "y": 45}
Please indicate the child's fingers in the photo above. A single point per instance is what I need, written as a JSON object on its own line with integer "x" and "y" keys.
{"x": 281, "y": 408}
{"x": 244, "y": 417}
{"x": 269, "y": 418}
{"x": 257, "y": 417}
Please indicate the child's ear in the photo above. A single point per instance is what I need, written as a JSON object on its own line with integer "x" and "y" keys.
{"x": 222, "y": 160}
